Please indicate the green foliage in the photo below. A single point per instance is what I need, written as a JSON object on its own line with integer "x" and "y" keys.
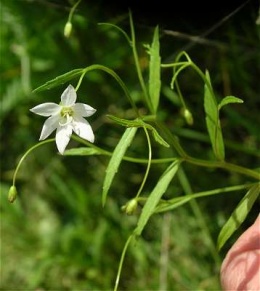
{"x": 155, "y": 71}
{"x": 116, "y": 159}
{"x": 212, "y": 120}
{"x": 167, "y": 200}
{"x": 239, "y": 215}
{"x": 155, "y": 196}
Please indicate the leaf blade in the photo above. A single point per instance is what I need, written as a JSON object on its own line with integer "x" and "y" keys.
{"x": 228, "y": 100}
{"x": 154, "y": 70}
{"x": 155, "y": 196}
{"x": 116, "y": 159}
{"x": 59, "y": 80}
{"x": 238, "y": 215}
{"x": 212, "y": 120}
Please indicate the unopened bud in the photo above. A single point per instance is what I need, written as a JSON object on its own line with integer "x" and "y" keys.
{"x": 188, "y": 116}
{"x": 130, "y": 207}
{"x": 67, "y": 29}
{"x": 12, "y": 194}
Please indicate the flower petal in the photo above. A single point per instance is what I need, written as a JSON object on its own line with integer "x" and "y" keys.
{"x": 49, "y": 126}
{"x": 69, "y": 96}
{"x": 83, "y": 110}
{"x": 63, "y": 135}
{"x": 46, "y": 109}
{"x": 83, "y": 129}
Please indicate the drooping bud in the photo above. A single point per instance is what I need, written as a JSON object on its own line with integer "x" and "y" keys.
{"x": 130, "y": 206}
{"x": 12, "y": 194}
{"x": 67, "y": 29}
{"x": 188, "y": 116}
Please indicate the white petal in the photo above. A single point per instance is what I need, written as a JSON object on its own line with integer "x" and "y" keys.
{"x": 82, "y": 128}
{"x": 49, "y": 126}
{"x": 63, "y": 135}
{"x": 46, "y": 109}
{"x": 69, "y": 96}
{"x": 83, "y": 110}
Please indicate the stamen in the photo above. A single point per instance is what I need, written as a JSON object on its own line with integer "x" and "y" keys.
{"x": 66, "y": 113}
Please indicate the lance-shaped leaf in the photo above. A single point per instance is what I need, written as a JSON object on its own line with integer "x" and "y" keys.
{"x": 59, "y": 80}
{"x": 126, "y": 122}
{"x": 228, "y": 100}
{"x": 155, "y": 71}
{"x": 116, "y": 159}
{"x": 153, "y": 199}
{"x": 212, "y": 120}
{"x": 238, "y": 215}
{"x": 85, "y": 151}
{"x": 140, "y": 123}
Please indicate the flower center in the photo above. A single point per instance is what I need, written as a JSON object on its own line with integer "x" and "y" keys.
{"x": 66, "y": 115}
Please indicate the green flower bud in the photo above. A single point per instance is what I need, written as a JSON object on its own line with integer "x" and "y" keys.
{"x": 12, "y": 194}
{"x": 67, "y": 29}
{"x": 188, "y": 116}
{"x": 130, "y": 206}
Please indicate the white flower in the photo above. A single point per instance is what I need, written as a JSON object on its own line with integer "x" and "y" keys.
{"x": 66, "y": 117}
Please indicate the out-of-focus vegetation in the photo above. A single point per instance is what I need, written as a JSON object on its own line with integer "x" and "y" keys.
{"x": 57, "y": 235}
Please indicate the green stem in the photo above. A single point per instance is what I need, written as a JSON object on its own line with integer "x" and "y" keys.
{"x": 202, "y": 163}
{"x": 224, "y": 165}
{"x": 137, "y": 64}
{"x": 148, "y": 164}
{"x": 114, "y": 75}
{"x": 72, "y": 10}
{"x": 121, "y": 261}
{"x": 167, "y": 205}
{"x": 27, "y": 153}
{"x": 125, "y": 158}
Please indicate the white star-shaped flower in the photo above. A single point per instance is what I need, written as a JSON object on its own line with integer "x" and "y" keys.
{"x": 66, "y": 117}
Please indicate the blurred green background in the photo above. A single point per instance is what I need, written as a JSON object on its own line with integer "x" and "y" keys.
{"x": 57, "y": 235}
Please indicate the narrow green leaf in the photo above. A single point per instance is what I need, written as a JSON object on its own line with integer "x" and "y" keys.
{"x": 238, "y": 215}
{"x": 126, "y": 122}
{"x": 212, "y": 120}
{"x": 84, "y": 151}
{"x": 116, "y": 159}
{"x": 59, "y": 80}
{"x": 158, "y": 138}
{"x": 140, "y": 123}
{"x": 155, "y": 196}
{"x": 155, "y": 70}
{"x": 228, "y": 100}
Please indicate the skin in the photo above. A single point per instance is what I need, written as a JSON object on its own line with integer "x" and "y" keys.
{"x": 240, "y": 269}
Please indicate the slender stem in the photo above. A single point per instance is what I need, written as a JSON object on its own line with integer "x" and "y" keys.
{"x": 224, "y": 165}
{"x": 27, "y": 153}
{"x": 188, "y": 159}
{"x": 167, "y": 205}
{"x": 72, "y": 10}
{"x": 121, "y": 261}
{"x": 115, "y": 76}
{"x": 148, "y": 164}
{"x": 126, "y": 158}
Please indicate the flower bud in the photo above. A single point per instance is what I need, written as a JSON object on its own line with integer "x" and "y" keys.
{"x": 67, "y": 29}
{"x": 130, "y": 206}
{"x": 12, "y": 194}
{"x": 188, "y": 116}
